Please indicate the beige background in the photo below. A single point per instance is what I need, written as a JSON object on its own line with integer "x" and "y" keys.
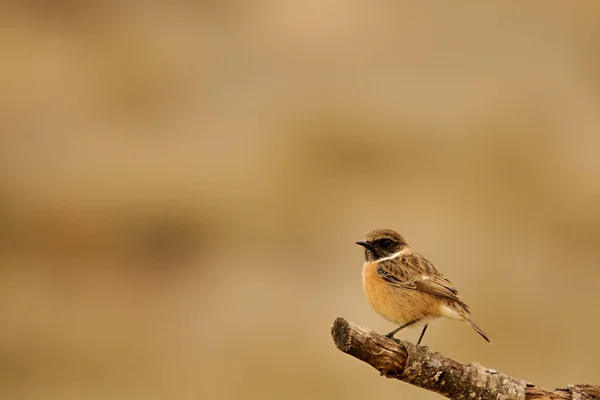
{"x": 182, "y": 183}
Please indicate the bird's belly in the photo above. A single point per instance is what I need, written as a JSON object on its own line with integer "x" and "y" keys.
{"x": 395, "y": 304}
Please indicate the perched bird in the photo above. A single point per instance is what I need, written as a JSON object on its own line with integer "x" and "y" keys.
{"x": 405, "y": 288}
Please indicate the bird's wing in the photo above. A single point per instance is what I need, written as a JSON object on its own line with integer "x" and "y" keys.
{"x": 412, "y": 271}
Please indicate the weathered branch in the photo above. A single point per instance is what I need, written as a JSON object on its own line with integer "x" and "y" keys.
{"x": 418, "y": 366}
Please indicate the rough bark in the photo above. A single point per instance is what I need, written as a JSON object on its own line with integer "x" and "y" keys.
{"x": 418, "y": 366}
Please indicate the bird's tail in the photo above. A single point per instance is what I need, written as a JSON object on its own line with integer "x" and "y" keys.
{"x": 477, "y": 329}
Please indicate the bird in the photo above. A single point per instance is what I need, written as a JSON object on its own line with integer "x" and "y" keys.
{"x": 405, "y": 288}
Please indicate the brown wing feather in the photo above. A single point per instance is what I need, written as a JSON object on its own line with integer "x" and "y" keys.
{"x": 415, "y": 272}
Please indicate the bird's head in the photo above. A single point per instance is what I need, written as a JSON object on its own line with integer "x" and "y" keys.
{"x": 382, "y": 243}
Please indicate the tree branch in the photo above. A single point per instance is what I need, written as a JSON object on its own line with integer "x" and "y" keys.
{"x": 418, "y": 366}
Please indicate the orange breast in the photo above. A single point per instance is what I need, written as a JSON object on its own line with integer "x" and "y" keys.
{"x": 395, "y": 304}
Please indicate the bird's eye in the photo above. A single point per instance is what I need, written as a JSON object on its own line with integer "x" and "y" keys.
{"x": 386, "y": 242}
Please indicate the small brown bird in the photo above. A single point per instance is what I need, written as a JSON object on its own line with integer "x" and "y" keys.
{"x": 405, "y": 288}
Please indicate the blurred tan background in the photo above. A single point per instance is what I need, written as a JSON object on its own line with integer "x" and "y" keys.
{"x": 182, "y": 183}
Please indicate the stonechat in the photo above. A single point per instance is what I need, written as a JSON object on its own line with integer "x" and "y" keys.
{"x": 405, "y": 288}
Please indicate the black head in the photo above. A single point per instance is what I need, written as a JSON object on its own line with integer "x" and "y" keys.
{"x": 382, "y": 243}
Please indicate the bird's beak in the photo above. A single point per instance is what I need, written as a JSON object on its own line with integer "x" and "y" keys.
{"x": 364, "y": 244}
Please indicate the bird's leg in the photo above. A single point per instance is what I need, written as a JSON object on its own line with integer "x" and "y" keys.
{"x": 422, "y": 334}
{"x": 392, "y": 333}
